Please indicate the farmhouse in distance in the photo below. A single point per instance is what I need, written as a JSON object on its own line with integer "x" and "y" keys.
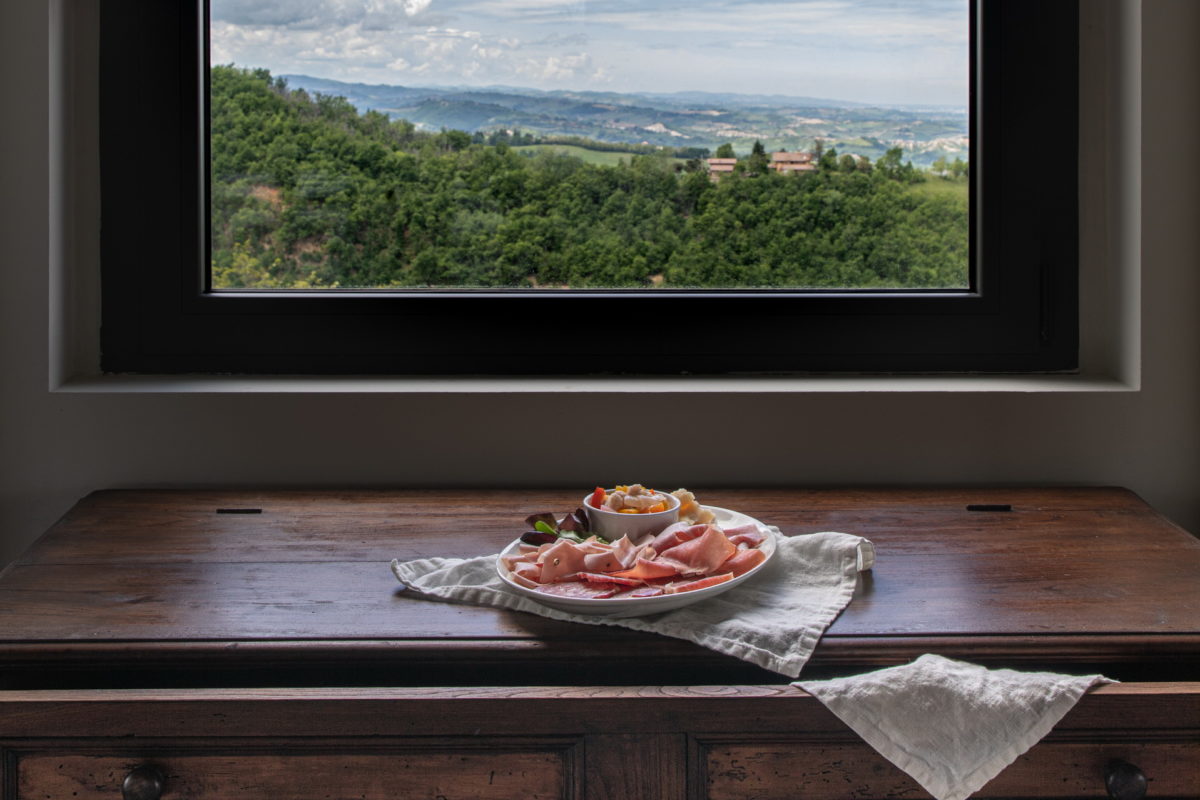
{"x": 782, "y": 162}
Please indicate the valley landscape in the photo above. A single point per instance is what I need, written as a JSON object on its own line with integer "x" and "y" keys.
{"x": 324, "y": 186}
{"x": 684, "y": 121}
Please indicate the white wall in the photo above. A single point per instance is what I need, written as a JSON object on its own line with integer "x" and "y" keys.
{"x": 56, "y": 447}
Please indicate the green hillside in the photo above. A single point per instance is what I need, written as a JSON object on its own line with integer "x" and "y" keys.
{"x": 588, "y": 156}
{"x": 308, "y": 192}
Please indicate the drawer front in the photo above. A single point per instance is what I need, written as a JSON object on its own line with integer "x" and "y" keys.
{"x": 791, "y": 768}
{"x": 585, "y": 743}
{"x": 447, "y": 770}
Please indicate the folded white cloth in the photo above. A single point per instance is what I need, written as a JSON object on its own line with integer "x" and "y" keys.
{"x": 773, "y": 620}
{"x": 951, "y": 725}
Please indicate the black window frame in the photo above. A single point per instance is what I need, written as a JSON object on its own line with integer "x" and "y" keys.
{"x": 158, "y": 316}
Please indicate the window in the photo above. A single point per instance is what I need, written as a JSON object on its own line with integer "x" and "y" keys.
{"x": 160, "y": 316}
{"x": 664, "y": 144}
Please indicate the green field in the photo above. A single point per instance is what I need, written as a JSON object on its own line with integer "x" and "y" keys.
{"x": 602, "y": 158}
{"x": 939, "y": 187}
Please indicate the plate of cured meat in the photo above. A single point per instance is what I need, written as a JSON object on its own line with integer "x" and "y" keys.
{"x": 683, "y": 564}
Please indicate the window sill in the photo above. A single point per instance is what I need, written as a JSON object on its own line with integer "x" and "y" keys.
{"x": 482, "y": 385}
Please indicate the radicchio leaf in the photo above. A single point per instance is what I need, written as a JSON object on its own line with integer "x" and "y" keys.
{"x": 573, "y": 527}
{"x": 575, "y": 521}
{"x": 537, "y": 537}
{"x": 533, "y": 519}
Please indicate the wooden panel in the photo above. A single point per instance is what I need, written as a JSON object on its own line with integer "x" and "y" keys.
{"x": 762, "y": 742}
{"x": 784, "y": 770}
{"x": 635, "y": 766}
{"x": 1159, "y": 708}
{"x": 500, "y": 774}
{"x": 753, "y": 741}
{"x": 932, "y": 594}
{"x": 1069, "y": 576}
{"x": 184, "y": 526}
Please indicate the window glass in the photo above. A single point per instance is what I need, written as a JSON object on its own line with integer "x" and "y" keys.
{"x": 567, "y": 144}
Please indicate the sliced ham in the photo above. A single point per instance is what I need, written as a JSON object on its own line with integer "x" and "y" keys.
{"x": 648, "y": 570}
{"x": 526, "y": 582}
{"x": 629, "y": 592}
{"x": 743, "y": 561}
{"x": 627, "y": 552}
{"x": 594, "y": 577}
{"x": 676, "y": 534}
{"x": 702, "y": 555}
{"x": 594, "y": 591}
{"x": 528, "y": 570}
{"x": 700, "y": 583}
{"x": 748, "y": 535}
{"x": 749, "y": 539}
{"x": 607, "y": 561}
{"x": 511, "y": 561}
{"x": 562, "y": 558}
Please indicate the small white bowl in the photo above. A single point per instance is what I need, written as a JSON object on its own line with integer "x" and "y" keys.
{"x": 612, "y": 525}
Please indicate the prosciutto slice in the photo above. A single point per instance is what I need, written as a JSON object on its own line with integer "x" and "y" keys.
{"x": 677, "y": 534}
{"x": 596, "y": 591}
{"x": 699, "y": 583}
{"x": 646, "y": 570}
{"x": 748, "y": 535}
{"x": 627, "y": 552}
{"x": 702, "y": 555}
{"x": 645, "y": 590}
{"x": 743, "y": 561}
{"x": 594, "y": 577}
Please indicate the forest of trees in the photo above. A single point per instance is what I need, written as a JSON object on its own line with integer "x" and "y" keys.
{"x": 307, "y": 192}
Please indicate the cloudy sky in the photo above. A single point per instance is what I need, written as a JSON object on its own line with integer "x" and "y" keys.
{"x": 875, "y": 51}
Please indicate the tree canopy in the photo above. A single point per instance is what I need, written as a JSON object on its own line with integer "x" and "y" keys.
{"x": 308, "y": 192}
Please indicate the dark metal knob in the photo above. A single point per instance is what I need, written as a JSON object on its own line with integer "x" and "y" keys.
{"x": 143, "y": 783}
{"x": 1124, "y": 781}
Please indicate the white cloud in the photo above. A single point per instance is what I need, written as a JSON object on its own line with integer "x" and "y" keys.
{"x": 830, "y": 48}
{"x": 557, "y": 69}
{"x": 318, "y": 14}
{"x": 501, "y": 8}
{"x": 831, "y": 23}
{"x": 359, "y": 52}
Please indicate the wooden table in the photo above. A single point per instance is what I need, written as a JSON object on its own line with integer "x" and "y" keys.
{"x": 254, "y": 643}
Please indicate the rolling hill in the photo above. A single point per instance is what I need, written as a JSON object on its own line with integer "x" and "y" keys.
{"x": 685, "y": 119}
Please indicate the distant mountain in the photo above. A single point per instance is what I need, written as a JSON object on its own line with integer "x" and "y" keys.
{"x": 688, "y": 119}
{"x": 751, "y": 100}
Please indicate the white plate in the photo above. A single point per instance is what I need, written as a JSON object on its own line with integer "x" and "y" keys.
{"x": 641, "y": 606}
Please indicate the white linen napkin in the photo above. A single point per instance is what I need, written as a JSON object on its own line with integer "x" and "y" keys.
{"x": 951, "y": 725}
{"x": 773, "y": 620}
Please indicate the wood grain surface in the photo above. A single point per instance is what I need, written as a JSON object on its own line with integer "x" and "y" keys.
{"x": 564, "y": 742}
{"x": 131, "y": 580}
{"x": 787, "y": 769}
{"x": 497, "y": 773}
{"x": 713, "y": 712}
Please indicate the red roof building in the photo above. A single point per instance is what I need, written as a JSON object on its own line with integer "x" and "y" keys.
{"x": 720, "y": 166}
{"x": 792, "y": 162}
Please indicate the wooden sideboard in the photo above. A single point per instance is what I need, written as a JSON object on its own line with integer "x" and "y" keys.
{"x": 254, "y": 644}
